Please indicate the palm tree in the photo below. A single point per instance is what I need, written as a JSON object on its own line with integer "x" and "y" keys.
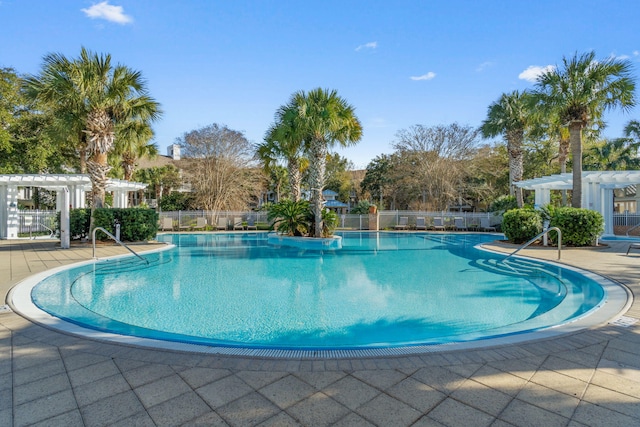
{"x": 93, "y": 96}
{"x": 323, "y": 119}
{"x": 617, "y": 154}
{"x": 510, "y": 116}
{"x": 282, "y": 141}
{"x": 132, "y": 143}
{"x": 579, "y": 93}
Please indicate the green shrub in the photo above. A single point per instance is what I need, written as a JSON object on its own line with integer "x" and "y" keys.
{"x": 135, "y": 224}
{"x": 78, "y": 222}
{"x": 290, "y": 217}
{"x": 521, "y": 225}
{"x": 580, "y": 227}
{"x": 503, "y": 204}
{"x": 362, "y": 208}
{"x": 329, "y": 222}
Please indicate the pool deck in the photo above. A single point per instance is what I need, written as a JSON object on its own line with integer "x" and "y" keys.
{"x": 587, "y": 378}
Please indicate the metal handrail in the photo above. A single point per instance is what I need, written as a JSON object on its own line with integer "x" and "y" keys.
{"x": 632, "y": 228}
{"x": 536, "y": 238}
{"x": 51, "y": 232}
{"x": 116, "y": 240}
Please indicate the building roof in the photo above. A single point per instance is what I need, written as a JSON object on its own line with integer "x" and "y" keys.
{"x": 335, "y": 204}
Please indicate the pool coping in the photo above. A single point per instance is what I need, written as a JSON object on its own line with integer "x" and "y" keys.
{"x": 619, "y": 299}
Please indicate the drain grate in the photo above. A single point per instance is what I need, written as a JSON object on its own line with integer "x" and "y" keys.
{"x": 5, "y": 309}
{"x": 624, "y": 321}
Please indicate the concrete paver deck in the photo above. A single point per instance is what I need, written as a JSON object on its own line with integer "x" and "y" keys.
{"x": 591, "y": 377}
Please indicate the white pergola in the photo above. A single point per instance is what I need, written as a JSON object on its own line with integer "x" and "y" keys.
{"x": 70, "y": 189}
{"x": 597, "y": 190}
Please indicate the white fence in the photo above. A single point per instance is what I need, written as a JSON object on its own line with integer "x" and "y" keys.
{"x": 36, "y": 222}
{"x": 184, "y": 220}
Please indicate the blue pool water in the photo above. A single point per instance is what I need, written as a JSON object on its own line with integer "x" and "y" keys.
{"x": 379, "y": 290}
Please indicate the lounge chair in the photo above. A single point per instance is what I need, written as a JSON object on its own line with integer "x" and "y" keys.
{"x": 237, "y": 223}
{"x": 459, "y": 223}
{"x": 485, "y": 225}
{"x": 251, "y": 224}
{"x": 167, "y": 224}
{"x": 402, "y": 223}
{"x": 438, "y": 224}
{"x": 222, "y": 223}
{"x": 201, "y": 223}
{"x": 633, "y": 246}
{"x": 420, "y": 223}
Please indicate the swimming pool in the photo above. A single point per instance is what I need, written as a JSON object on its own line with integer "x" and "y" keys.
{"x": 381, "y": 290}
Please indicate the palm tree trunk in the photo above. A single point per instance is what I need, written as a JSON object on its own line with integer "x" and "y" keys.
{"x": 293, "y": 166}
{"x": 575, "y": 136}
{"x": 563, "y": 153}
{"x": 316, "y": 176}
{"x": 516, "y": 167}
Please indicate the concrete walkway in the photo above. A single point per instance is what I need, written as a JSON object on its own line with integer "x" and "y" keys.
{"x": 47, "y": 378}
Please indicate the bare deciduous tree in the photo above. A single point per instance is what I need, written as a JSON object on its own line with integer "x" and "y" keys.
{"x": 432, "y": 162}
{"x": 219, "y": 167}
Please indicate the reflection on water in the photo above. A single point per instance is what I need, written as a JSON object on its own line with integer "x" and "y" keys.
{"x": 380, "y": 289}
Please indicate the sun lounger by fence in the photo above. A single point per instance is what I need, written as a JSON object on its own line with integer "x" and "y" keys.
{"x": 402, "y": 224}
{"x": 222, "y": 223}
{"x": 237, "y": 223}
{"x": 485, "y": 225}
{"x": 438, "y": 223}
{"x": 459, "y": 224}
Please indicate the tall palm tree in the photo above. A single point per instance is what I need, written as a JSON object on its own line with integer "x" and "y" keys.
{"x": 579, "y": 93}
{"x": 282, "y": 141}
{"x": 132, "y": 142}
{"x": 93, "y": 96}
{"x": 510, "y": 116}
{"x": 323, "y": 119}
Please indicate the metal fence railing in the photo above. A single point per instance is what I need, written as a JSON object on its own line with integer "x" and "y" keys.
{"x": 38, "y": 222}
{"x": 188, "y": 220}
{"x": 626, "y": 223}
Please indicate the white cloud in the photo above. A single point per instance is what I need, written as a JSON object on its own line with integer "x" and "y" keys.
{"x": 430, "y": 75}
{"x": 370, "y": 45}
{"x": 636, "y": 52}
{"x": 108, "y": 12}
{"x": 532, "y": 73}
{"x": 484, "y": 65}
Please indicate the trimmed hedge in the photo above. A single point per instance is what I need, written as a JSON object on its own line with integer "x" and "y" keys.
{"x": 135, "y": 224}
{"x": 521, "y": 225}
{"x": 580, "y": 227}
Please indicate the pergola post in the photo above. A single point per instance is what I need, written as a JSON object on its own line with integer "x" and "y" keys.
{"x": 65, "y": 222}
{"x": 9, "y": 211}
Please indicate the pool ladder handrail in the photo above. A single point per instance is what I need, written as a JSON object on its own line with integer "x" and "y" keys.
{"x": 632, "y": 228}
{"x": 93, "y": 241}
{"x": 536, "y": 238}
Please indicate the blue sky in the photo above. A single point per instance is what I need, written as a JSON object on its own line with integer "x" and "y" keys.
{"x": 399, "y": 63}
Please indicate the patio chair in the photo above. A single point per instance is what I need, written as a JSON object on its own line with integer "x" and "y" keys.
{"x": 251, "y": 224}
{"x": 222, "y": 223}
{"x": 167, "y": 224}
{"x": 201, "y": 223}
{"x": 633, "y": 246}
{"x": 237, "y": 223}
{"x": 420, "y": 223}
{"x": 402, "y": 223}
{"x": 485, "y": 225}
{"x": 438, "y": 224}
{"x": 459, "y": 224}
